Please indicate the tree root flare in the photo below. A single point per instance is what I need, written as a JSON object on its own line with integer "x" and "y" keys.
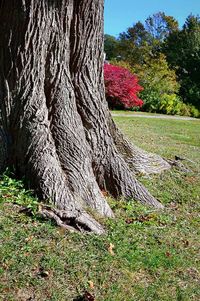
{"x": 80, "y": 222}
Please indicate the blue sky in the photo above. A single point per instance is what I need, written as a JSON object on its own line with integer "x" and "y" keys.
{"x": 121, "y": 14}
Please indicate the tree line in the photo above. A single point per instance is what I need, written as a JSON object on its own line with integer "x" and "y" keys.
{"x": 166, "y": 59}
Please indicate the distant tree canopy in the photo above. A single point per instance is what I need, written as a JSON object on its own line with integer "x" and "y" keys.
{"x": 182, "y": 49}
{"x": 160, "y": 35}
{"x": 110, "y": 46}
{"x": 140, "y": 39}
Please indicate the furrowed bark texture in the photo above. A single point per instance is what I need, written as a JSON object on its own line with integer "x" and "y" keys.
{"x": 3, "y": 150}
{"x": 56, "y": 129}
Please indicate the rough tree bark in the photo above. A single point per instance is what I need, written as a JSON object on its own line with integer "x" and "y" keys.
{"x": 56, "y": 129}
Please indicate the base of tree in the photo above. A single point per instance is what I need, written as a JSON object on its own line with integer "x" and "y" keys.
{"x": 57, "y": 131}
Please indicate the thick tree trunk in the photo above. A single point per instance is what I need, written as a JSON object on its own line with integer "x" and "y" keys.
{"x": 56, "y": 128}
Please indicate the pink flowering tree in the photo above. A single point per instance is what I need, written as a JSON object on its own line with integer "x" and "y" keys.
{"x": 121, "y": 87}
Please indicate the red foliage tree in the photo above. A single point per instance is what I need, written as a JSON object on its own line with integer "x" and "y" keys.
{"x": 121, "y": 87}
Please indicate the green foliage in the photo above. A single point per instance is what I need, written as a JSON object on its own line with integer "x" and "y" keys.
{"x": 159, "y": 26}
{"x": 172, "y": 105}
{"x": 158, "y": 81}
{"x": 142, "y": 40}
{"x": 134, "y": 44}
{"x": 143, "y": 46}
{"x": 110, "y": 47}
{"x": 182, "y": 49}
{"x": 161, "y": 88}
{"x": 12, "y": 190}
{"x": 169, "y": 104}
{"x": 123, "y": 64}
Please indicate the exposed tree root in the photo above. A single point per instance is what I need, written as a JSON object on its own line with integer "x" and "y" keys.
{"x": 139, "y": 160}
{"x": 120, "y": 181}
{"x": 80, "y": 222}
{"x": 177, "y": 163}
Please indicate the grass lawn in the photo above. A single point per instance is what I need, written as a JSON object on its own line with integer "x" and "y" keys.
{"x": 165, "y": 116}
{"x": 145, "y": 255}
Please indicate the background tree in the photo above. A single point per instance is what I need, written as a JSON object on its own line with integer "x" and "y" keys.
{"x": 134, "y": 44}
{"x": 159, "y": 27}
{"x": 111, "y": 47}
{"x": 142, "y": 40}
{"x": 56, "y": 128}
{"x": 166, "y": 61}
{"x": 182, "y": 49}
{"x": 158, "y": 81}
{"x": 160, "y": 91}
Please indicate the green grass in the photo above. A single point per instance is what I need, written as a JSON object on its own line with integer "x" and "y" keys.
{"x": 165, "y": 137}
{"x": 155, "y": 253}
{"x": 129, "y": 112}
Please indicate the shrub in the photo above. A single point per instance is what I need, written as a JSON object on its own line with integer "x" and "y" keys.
{"x": 194, "y": 112}
{"x": 173, "y": 105}
{"x": 121, "y": 87}
{"x": 170, "y": 104}
{"x": 157, "y": 79}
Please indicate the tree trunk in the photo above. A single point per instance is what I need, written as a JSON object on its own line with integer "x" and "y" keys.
{"x": 56, "y": 128}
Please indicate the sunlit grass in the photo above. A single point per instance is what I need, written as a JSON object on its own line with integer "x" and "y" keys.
{"x": 155, "y": 253}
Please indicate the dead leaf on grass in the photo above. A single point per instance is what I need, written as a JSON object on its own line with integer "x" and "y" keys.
{"x": 88, "y": 297}
{"x": 30, "y": 238}
{"x": 104, "y": 192}
{"x": 43, "y": 273}
{"x": 191, "y": 179}
{"x": 7, "y": 196}
{"x": 91, "y": 284}
{"x": 110, "y": 249}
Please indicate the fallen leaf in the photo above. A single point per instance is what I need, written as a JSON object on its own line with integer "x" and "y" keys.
{"x": 144, "y": 218}
{"x": 88, "y": 297}
{"x": 91, "y": 284}
{"x": 191, "y": 179}
{"x": 141, "y": 219}
{"x": 42, "y": 273}
{"x": 168, "y": 254}
{"x": 110, "y": 249}
{"x": 104, "y": 192}
{"x": 6, "y": 290}
{"x": 173, "y": 205}
{"x": 7, "y": 195}
{"x": 29, "y": 238}
{"x": 129, "y": 221}
{"x": 5, "y": 266}
{"x": 186, "y": 243}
